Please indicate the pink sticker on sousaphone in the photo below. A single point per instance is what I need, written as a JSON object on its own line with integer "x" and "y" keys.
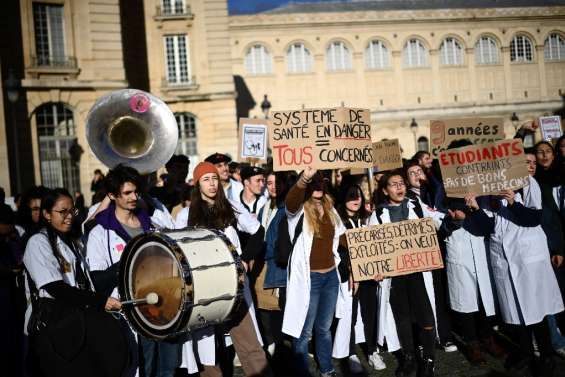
{"x": 139, "y": 103}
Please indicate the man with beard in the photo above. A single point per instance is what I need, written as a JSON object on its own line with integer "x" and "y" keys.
{"x": 232, "y": 188}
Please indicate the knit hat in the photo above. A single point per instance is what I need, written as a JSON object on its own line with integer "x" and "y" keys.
{"x": 203, "y": 168}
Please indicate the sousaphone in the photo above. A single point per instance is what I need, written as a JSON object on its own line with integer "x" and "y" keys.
{"x": 132, "y": 127}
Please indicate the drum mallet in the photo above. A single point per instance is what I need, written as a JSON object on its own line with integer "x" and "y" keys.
{"x": 151, "y": 299}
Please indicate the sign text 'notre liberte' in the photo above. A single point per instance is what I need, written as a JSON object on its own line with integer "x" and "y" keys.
{"x": 393, "y": 249}
{"x": 321, "y": 138}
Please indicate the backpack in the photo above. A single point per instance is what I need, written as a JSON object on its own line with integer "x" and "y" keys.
{"x": 283, "y": 244}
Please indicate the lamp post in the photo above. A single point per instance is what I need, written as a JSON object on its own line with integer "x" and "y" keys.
{"x": 265, "y": 106}
{"x": 13, "y": 85}
{"x": 414, "y": 129}
{"x": 515, "y": 121}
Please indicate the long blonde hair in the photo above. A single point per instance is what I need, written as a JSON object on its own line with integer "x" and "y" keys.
{"x": 313, "y": 216}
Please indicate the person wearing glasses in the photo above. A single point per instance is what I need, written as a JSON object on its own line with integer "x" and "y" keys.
{"x": 68, "y": 318}
{"x": 406, "y": 300}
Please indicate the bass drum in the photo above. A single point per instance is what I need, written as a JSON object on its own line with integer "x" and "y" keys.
{"x": 196, "y": 273}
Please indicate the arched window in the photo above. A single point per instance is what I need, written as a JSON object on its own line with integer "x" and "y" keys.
{"x": 451, "y": 52}
{"x": 258, "y": 60}
{"x": 187, "y": 136}
{"x": 56, "y": 132}
{"x": 423, "y": 144}
{"x": 299, "y": 58}
{"x": 554, "y": 48}
{"x": 338, "y": 57}
{"x": 415, "y": 54}
{"x": 486, "y": 51}
{"x": 376, "y": 55}
{"x": 521, "y": 49}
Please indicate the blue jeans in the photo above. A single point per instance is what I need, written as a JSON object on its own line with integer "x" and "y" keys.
{"x": 557, "y": 340}
{"x": 323, "y": 296}
{"x": 159, "y": 358}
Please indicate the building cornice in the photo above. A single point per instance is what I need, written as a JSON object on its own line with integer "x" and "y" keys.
{"x": 169, "y": 98}
{"x": 47, "y": 84}
{"x": 471, "y": 110}
{"x": 292, "y": 20}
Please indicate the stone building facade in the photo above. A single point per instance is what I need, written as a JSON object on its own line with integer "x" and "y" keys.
{"x": 405, "y": 63}
{"x": 408, "y": 62}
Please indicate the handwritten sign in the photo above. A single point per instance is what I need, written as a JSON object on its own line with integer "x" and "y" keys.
{"x": 252, "y": 142}
{"x": 550, "y": 127}
{"x": 387, "y": 155}
{"x": 393, "y": 249}
{"x": 484, "y": 169}
{"x": 478, "y": 130}
{"x": 321, "y": 138}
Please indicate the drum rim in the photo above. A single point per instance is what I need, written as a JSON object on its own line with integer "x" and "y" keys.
{"x": 133, "y": 315}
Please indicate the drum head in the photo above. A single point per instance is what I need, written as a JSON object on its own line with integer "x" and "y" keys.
{"x": 150, "y": 264}
{"x": 154, "y": 269}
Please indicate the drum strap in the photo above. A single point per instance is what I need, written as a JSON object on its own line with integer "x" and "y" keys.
{"x": 108, "y": 247}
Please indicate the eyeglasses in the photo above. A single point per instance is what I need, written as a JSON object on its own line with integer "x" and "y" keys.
{"x": 415, "y": 173}
{"x": 66, "y": 212}
{"x": 397, "y": 184}
{"x": 35, "y": 209}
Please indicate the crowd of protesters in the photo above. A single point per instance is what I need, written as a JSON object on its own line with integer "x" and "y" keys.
{"x": 503, "y": 254}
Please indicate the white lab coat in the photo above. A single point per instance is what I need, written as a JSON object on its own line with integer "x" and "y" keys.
{"x": 205, "y": 339}
{"x": 298, "y": 282}
{"x": 525, "y": 283}
{"x": 345, "y": 317}
{"x": 468, "y": 273}
{"x": 342, "y": 336}
{"x": 233, "y": 191}
{"x": 43, "y": 267}
{"x": 386, "y": 330}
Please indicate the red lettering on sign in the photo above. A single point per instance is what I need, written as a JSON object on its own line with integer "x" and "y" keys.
{"x": 293, "y": 156}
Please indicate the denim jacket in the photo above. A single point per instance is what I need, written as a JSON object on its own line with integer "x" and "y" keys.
{"x": 275, "y": 277}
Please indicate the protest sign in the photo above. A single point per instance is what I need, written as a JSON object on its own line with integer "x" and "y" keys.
{"x": 387, "y": 155}
{"x": 393, "y": 249}
{"x": 321, "y": 138}
{"x": 252, "y": 142}
{"x": 478, "y": 130}
{"x": 550, "y": 127}
{"x": 484, "y": 169}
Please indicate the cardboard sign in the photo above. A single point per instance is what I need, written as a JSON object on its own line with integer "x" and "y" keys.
{"x": 393, "y": 249}
{"x": 478, "y": 130}
{"x": 252, "y": 142}
{"x": 321, "y": 138}
{"x": 550, "y": 127}
{"x": 484, "y": 169}
{"x": 387, "y": 155}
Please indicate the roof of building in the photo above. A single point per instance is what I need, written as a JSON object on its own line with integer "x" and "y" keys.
{"x": 387, "y": 5}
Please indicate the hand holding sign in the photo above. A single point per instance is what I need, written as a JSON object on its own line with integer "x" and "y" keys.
{"x": 308, "y": 173}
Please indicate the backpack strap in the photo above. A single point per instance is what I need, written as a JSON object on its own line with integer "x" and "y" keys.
{"x": 418, "y": 208}
{"x": 378, "y": 214}
{"x": 297, "y": 230}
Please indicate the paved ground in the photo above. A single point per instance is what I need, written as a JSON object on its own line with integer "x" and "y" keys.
{"x": 447, "y": 365}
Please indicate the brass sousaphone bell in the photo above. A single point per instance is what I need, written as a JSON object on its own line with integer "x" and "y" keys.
{"x": 132, "y": 127}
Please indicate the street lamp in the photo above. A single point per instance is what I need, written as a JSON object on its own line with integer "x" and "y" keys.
{"x": 414, "y": 129}
{"x": 515, "y": 121}
{"x": 13, "y": 86}
{"x": 265, "y": 106}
